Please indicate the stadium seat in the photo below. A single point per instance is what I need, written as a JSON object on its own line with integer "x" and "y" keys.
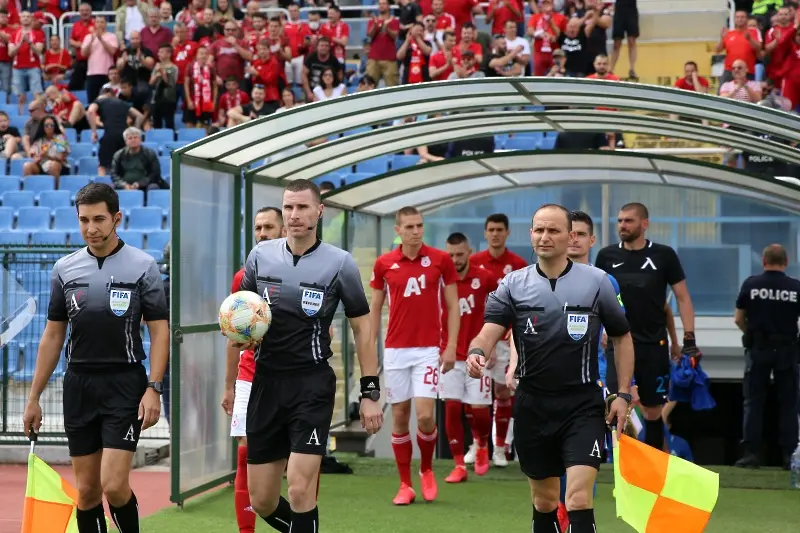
{"x": 3, "y": 169}
{"x": 79, "y": 150}
{"x": 17, "y": 199}
{"x": 35, "y": 281}
{"x": 169, "y": 147}
{"x": 33, "y": 219}
{"x": 191, "y": 135}
{"x": 42, "y": 301}
{"x": 13, "y": 238}
{"x": 15, "y": 166}
{"x": 53, "y": 199}
{"x": 160, "y": 136}
{"x": 13, "y": 356}
{"x": 404, "y": 161}
{"x": 6, "y": 218}
{"x": 130, "y": 199}
{"x": 157, "y": 240}
{"x": 8, "y": 184}
{"x": 49, "y": 238}
{"x": 378, "y": 165}
{"x": 166, "y": 165}
{"x": 75, "y": 238}
{"x": 65, "y": 219}
{"x": 81, "y": 96}
{"x": 18, "y": 122}
{"x": 72, "y": 183}
{"x": 72, "y": 136}
{"x": 38, "y": 183}
{"x": 548, "y": 143}
{"x": 356, "y": 131}
{"x": 158, "y": 255}
{"x": 522, "y": 143}
{"x": 349, "y": 179}
{"x": 159, "y": 198}
{"x": 103, "y": 179}
{"x": 154, "y": 146}
{"x": 86, "y": 136}
{"x": 133, "y": 237}
{"x": 145, "y": 218}
{"x": 88, "y": 165}
{"x": 28, "y": 361}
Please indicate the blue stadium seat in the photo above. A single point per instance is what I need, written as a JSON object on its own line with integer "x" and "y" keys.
{"x": 75, "y": 238}
{"x": 522, "y": 143}
{"x": 6, "y": 218}
{"x": 349, "y": 179}
{"x": 72, "y": 136}
{"x": 130, "y": 199}
{"x": 133, "y": 237}
{"x": 160, "y": 136}
{"x": 158, "y": 255}
{"x": 500, "y": 140}
{"x": 49, "y": 238}
{"x": 86, "y": 136}
{"x": 79, "y": 150}
{"x": 166, "y": 166}
{"x": 191, "y": 135}
{"x": 18, "y": 122}
{"x": 13, "y": 238}
{"x": 73, "y": 183}
{"x": 35, "y": 281}
{"x": 9, "y": 184}
{"x": 157, "y": 240}
{"x": 65, "y": 219}
{"x": 17, "y": 199}
{"x": 42, "y": 301}
{"x": 29, "y": 352}
{"x": 33, "y": 219}
{"x": 153, "y": 146}
{"x": 378, "y": 165}
{"x": 103, "y": 179}
{"x": 3, "y": 169}
{"x": 53, "y": 199}
{"x": 404, "y": 161}
{"x": 158, "y": 198}
{"x": 145, "y": 218}
{"x": 38, "y": 183}
{"x": 13, "y": 356}
{"x": 88, "y": 165}
{"x": 180, "y": 143}
{"x": 548, "y": 143}
{"x": 15, "y": 166}
{"x": 356, "y": 131}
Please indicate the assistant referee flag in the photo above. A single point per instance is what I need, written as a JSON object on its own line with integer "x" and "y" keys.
{"x": 657, "y": 492}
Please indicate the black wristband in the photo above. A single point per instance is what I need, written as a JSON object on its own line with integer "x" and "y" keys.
{"x": 477, "y": 351}
{"x": 369, "y": 384}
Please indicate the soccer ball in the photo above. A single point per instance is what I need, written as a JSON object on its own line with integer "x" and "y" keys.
{"x": 244, "y": 317}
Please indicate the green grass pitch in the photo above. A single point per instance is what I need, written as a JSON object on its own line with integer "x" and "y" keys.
{"x": 749, "y": 502}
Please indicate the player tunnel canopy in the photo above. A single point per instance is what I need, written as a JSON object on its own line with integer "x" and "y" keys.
{"x": 262, "y": 138}
{"x": 467, "y": 178}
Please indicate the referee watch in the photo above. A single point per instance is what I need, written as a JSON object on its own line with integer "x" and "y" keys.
{"x": 157, "y": 386}
{"x": 625, "y": 396}
{"x": 370, "y": 388}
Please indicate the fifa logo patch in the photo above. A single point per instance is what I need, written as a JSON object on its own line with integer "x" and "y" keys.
{"x": 119, "y": 301}
{"x": 577, "y": 325}
{"x": 311, "y": 301}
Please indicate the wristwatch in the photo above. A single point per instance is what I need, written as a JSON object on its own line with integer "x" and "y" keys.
{"x": 625, "y": 396}
{"x": 156, "y": 386}
{"x": 373, "y": 395}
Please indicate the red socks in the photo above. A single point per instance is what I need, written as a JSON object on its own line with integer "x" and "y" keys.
{"x": 502, "y": 414}
{"x": 454, "y": 429}
{"x": 245, "y": 516}
{"x": 427, "y": 446}
{"x": 482, "y": 425}
{"x": 401, "y": 445}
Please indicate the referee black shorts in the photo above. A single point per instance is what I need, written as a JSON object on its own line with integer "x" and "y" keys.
{"x": 651, "y": 371}
{"x": 101, "y": 409}
{"x": 626, "y": 22}
{"x": 290, "y": 413}
{"x": 553, "y": 433}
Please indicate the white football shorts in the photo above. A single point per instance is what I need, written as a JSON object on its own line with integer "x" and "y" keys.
{"x": 240, "y": 400}
{"x": 411, "y": 373}
{"x": 502, "y": 360}
{"x": 457, "y": 385}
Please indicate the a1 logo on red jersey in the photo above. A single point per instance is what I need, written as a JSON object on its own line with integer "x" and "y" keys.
{"x": 415, "y": 286}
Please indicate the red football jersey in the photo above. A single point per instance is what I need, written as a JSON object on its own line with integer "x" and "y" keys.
{"x": 500, "y": 266}
{"x": 247, "y": 362}
{"x": 413, "y": 288}
{"x": 473, "y": 290}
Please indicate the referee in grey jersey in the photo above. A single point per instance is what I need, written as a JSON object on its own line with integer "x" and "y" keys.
{"x": 556, "y": 309}
{"x": 103, "y": 291}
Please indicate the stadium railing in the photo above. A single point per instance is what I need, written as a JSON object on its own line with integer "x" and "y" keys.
{"x": 24, "y": 297}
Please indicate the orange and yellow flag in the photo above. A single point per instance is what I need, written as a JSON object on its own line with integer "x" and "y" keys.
{"x": 50, "y": 502}
{"x": 659, "y": 493}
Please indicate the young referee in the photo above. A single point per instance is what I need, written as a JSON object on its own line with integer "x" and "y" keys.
{"x": 294, "y": 388}
{"x": 102, "y": 292}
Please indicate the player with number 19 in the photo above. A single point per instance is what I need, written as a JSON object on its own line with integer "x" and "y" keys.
{"x": 411, "y": 276}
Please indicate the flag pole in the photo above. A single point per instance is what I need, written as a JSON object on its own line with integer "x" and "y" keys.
{"x": 33, "y": 436}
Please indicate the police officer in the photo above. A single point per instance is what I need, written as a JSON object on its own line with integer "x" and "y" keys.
{"x": 294, "y": 387}
{"x": 556, "y": 309}
{"x": 103, "y": 292}
{"x": 767, "y": 310}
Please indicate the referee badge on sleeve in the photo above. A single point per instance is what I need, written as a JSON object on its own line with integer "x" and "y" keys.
{"x": 311, "y": 301}
{"x": 577, "y": 325}
{"x": 119, "y": 301}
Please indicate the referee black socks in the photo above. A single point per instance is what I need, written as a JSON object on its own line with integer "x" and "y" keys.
{"x": 91, "y": 520}
{"x": 654, "y": 433}
{"x": 281, "y": 517}
{"x": 126, "y": 517}
{"x": 582, "y": 521}
{"x": 545, "y": 522}
{"x": 307, "y": 522}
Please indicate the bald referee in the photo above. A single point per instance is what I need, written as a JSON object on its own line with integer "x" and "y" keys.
{"x": 103, "y": 291}
{"x": 294, "y": 387}
{"x": 556, "y": 309}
